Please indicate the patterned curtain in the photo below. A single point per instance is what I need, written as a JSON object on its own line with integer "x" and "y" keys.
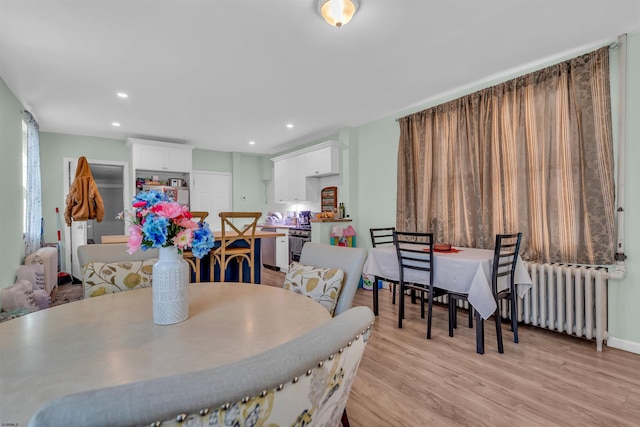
{"x": 33, "y": 235}
{"x": 533, "y": 154}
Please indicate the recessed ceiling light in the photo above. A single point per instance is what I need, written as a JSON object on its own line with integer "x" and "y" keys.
{"x": 289, "y": 125}
{"x": 116, "y": 124}
{"x": 252, "y": 143}
{"x": 122, "y": 95}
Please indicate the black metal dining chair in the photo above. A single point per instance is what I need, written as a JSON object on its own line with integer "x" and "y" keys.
{"x": 415, "y": 252}
{"x": 382, "y": 237}
{"x": 505, "y": 257}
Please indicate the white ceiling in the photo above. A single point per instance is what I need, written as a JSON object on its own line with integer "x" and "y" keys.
{"x": 218, "y": 73}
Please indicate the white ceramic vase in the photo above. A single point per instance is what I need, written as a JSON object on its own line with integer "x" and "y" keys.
{"x": 170, "y": 287}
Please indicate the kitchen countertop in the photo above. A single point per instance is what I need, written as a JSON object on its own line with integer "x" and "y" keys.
{"x": 122, "y": 238}
{"x": 278, "y": 226}
{"x": 317, "y": 220}
{"x": 331, "y": 220}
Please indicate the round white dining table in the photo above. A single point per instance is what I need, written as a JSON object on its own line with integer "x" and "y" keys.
{"x": 110, "y": 340}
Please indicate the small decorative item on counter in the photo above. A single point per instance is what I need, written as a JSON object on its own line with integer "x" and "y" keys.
{"x": 327, "y": 214}
{"x": 341, "y": 211}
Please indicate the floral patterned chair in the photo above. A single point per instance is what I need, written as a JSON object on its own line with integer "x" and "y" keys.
{"x": 349, "y": 260}
{"x": 304, "y": 382}
{"x": 109, "y": 268}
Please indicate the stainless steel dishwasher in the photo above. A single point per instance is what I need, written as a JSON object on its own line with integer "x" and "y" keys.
{"x": 269, "y": 250}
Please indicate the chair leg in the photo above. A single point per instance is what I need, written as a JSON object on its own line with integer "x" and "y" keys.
{"x": 422, "y": 305}
{"x": 451, "y": 314}
{"x": 393, "y": 296}
{"x": 345, "y": 418}
{"x": 454, "y": 304}
{"x": 430, "y": 310}
{"x": 401, "y": 306}
{"x": 499, "y": 328}
{"x": 470, "y": 316}
{"x": 514, "y": 318}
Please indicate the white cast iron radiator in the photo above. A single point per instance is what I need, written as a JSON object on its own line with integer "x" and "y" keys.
{"x": 566, "y": 298}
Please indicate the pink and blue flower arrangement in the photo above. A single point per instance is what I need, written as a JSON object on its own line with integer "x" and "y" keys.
{"x": 157, "y": 221}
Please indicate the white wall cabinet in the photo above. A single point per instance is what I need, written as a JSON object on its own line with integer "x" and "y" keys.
{"x": 290, "y": 183}
{"x": 161, "y": 158}
{"x": 281, "y": 181}
{"x": 294, "y": 174}
{"x": 322, "y": 162}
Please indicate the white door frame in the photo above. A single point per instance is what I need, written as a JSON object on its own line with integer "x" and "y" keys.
{"x": 69, "y": 165}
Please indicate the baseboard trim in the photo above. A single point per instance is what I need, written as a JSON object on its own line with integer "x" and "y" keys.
{"x": 630, "y": 346}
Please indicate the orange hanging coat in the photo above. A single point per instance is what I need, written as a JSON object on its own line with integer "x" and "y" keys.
{"x": 83, "y": 201}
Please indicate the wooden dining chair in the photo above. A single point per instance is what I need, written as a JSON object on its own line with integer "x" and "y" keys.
{"x": 505, "y": 257}
{"x": 193, "y": 261}
{"x": 382, "y": 237}
{"x": 237, "y": 242}
{"x": 415, "y": 252}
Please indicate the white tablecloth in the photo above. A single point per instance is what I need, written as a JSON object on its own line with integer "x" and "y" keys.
{"x": 467, "y": 272}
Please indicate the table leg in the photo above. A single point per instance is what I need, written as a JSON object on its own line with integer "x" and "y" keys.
{"x": 375, "y": 295}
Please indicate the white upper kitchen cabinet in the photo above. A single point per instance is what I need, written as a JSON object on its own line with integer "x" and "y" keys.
{"x": 160, "y": 156}
{"x": 290, "y": 183}
{"x": 295, "y": 173}
{"x": 322, "y": 162}
{"x": 281, "y": 180}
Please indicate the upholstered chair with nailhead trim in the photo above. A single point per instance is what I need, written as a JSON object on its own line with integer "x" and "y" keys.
{"x": 305, "y": 381}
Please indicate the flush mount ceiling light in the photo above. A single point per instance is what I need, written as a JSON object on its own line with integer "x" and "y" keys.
{"x": 337, "y": 12}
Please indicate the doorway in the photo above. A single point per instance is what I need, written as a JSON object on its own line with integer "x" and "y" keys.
{"x": 112, "y": 179}
{"x": 211, "y": 192}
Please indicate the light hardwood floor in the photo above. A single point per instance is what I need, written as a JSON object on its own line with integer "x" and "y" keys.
{"x": 548, "y": 379}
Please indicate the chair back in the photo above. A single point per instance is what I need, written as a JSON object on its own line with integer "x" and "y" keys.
{"x": 231, "y": 231}
{"x": 505, "y": 257}
{"x": 381, "y": 236}
{"x": 308, "y": 379}
{"x": 200, "y": 216}
{"x": 193, "y": 261}
{"x": 109, "y": 268}
{"x": 350, "y": 260}
{"x": 237, "y": 242}
{"x": 415, "y": 252}
{"x": 112, "y": 252}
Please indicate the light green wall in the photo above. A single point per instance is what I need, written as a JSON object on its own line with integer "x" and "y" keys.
{"x": 624, "y": 295}
{"x": 209, "y": 160}
{"x": 54, "y": 147}
{"x": 11, "y": 211}
{"x": 376, "y": 195}
{"x": 249, "y": 191}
